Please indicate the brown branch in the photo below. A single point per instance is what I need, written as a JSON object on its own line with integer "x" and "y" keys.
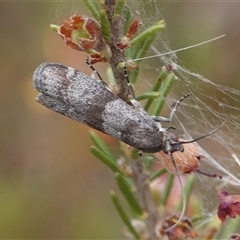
{"x": 116, "y": 26}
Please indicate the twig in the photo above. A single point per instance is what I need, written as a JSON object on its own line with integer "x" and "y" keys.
{"x": 116, "y": 25}
{"x": 139, "y": 176}
{"x": 144, "y": 196}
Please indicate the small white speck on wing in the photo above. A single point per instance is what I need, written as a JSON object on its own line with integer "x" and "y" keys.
{"x": 70, "y": 72}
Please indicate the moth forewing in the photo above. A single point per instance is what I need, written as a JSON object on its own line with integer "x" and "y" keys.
{"x": 67, "y": 91}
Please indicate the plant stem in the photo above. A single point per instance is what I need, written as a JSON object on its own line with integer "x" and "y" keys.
{"x": 144, "y": 196}
{"x": 139, "y": 175}
{"x": 116, "y": 28}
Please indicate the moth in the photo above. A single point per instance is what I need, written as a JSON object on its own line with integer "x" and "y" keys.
{"x": 73, "y": 94}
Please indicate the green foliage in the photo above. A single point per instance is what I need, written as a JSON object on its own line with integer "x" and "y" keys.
{"x": 123, "y": 215}
{"x": 93, "y": 7}
{"x": 104, "y": 158}
{"x": 126, "y": 190}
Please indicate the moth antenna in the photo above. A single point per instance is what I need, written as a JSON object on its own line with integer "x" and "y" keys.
{"x": 184, "y": 197}
{"x": 207, "y": 135}
{"x": 180, "y": 49}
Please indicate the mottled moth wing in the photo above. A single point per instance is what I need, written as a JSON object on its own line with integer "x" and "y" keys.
{"x": 75, "y": 95}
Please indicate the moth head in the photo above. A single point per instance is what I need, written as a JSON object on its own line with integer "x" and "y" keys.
{"x": 171, "y": 143}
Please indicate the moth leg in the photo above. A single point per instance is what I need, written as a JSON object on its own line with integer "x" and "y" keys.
{"x": 209, "y": 175}
{"x": 130, "y": 88}
{"x": 131, "y": 91}
{"x": 173, "y": 111}
{"x": 93, "y": 69}
{"x": 133, "y": 99}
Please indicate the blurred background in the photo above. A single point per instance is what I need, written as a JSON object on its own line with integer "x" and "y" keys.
{"x": 50, "y": 185}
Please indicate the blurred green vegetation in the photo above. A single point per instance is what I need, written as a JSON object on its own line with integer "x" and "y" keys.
{"x": 50, "y": 184}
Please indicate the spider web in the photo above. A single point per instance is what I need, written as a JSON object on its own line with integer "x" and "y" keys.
{"x": 210, "y": 105}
